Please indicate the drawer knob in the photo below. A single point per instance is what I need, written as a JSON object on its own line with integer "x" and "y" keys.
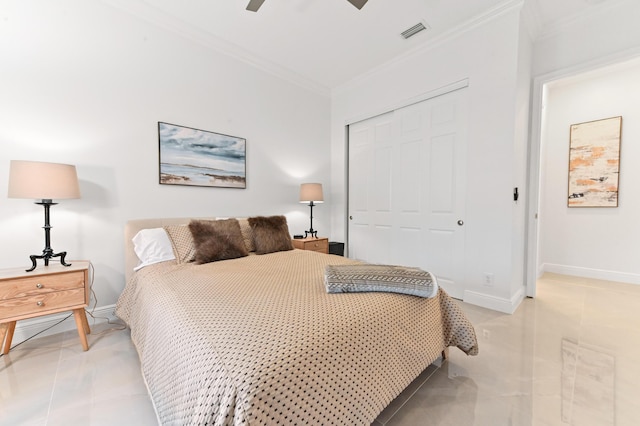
{"x": 40, "y": 303}
{"x": 39, "y": 285}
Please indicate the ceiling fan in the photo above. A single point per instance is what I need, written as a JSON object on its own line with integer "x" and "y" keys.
{"x": 254, "y": 5}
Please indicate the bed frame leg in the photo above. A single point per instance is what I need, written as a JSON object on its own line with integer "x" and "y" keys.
{"x": 445, "y": 354}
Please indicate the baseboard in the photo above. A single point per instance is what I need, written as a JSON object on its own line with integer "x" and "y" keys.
{"x": 598, "y": 274}
{"x": 30, "y": 327}
{"x": 500, "y": 304}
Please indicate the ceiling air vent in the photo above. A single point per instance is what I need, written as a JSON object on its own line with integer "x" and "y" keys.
{"x": 410, "y": 32}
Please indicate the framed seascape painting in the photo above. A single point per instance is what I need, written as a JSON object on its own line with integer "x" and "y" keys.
{"x": 594, "y": 163}
{"x": 200, "y": 158}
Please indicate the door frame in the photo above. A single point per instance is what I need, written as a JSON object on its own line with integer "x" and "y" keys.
{"x": 532, "y": 269}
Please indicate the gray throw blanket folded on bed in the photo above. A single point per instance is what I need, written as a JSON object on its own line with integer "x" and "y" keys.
{"x": 387, "y": 278}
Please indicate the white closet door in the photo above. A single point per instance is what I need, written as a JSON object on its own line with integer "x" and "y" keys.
{"x": 370, "y": 224}
{"x": 407, "y": 174}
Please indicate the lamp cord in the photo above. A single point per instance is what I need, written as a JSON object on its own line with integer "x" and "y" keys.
{"x": 38, "y": 333}
{"x": 120, "y": 325}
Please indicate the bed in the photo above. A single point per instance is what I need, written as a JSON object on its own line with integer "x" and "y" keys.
{"x": 257, "y": 339}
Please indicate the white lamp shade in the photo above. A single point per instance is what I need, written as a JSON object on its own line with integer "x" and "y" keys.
{"x": 38, "y": 180}
{"x": 311, "y": 192}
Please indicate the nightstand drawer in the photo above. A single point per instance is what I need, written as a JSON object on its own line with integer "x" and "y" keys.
{"x": 41, "y": 304}
{"x": 39, "y": 285}
{"x": 320, "y": 245}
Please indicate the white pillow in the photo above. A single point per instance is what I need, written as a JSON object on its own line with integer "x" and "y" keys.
{"x": 152, "y": 246}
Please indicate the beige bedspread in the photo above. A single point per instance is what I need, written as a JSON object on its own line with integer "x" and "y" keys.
{"x": 257, "y": 340}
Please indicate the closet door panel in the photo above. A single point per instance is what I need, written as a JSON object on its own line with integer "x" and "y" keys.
{"x": 407, "y": 180}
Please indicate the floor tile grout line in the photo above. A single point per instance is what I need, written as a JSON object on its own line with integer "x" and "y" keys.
{"x": 55, "y": 380}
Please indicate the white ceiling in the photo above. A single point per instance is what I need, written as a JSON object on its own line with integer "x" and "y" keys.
{"x": 326, "y": 43}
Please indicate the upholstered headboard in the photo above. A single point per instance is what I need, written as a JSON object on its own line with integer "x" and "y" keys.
{"x": 133, "y": 226}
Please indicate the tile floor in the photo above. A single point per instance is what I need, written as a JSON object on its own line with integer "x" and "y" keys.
{"x": 568, "y": 357}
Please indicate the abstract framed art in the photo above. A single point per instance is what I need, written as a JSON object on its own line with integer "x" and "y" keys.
{"x": 594, "y": 163}
{"x": 201, "y": 158}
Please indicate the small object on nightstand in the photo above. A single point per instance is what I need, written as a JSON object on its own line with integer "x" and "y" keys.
{"x": 49, "y": 290}
{"x": 298, "y": 237}
{"x": 320, "y": 245}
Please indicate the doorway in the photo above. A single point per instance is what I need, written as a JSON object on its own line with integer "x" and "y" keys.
{"x": 605, "y": 101}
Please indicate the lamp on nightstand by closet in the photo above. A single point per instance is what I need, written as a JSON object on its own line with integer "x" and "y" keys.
{"x": 311, "y": 193}
{"x": 43, "y": 182}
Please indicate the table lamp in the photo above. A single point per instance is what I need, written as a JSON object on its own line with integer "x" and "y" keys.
{"x": 311, "y": 193}
{"x": 44, "y": 182}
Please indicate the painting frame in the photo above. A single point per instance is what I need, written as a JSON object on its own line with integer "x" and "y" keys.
{"x": 193, "y": 157}
{"x": 594, "y": 163}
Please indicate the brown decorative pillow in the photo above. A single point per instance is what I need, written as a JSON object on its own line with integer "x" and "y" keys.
{"x": 217, "y": 240}
{"x": 270, "y": 234}
{"x": 245, "y": 228}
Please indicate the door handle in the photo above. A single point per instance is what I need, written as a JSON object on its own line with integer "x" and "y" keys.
{"x": 350, "y": 217}
{"x": 460, "y": 222}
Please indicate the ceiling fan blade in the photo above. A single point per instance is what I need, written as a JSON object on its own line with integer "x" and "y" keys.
{"x": 254, "y": 5}
{"x": 358, "y": 3}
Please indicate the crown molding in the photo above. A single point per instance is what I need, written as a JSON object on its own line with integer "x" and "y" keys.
{"x": 150, "y": 14}
{"x": 438, "y": 40}
{"x": 563, "y": 25}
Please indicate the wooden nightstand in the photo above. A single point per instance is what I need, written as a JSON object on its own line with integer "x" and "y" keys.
{"x": 315, "y": 244}
{"x": 47, "y": 290}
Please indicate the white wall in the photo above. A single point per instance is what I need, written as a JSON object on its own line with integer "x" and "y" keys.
{"x": 592, "y": 38}
{"x": 488, "y": 55}
{"x": 84, "y": 83}
{"x": 597, "y": 242}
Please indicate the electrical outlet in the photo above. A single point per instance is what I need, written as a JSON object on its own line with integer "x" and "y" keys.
{"x": 486, "y": 334}
{"x": 488, "y": 279}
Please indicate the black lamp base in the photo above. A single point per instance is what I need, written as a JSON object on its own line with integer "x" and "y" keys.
{"x": 311, "y": 232}
{"x": 47, "y": 253}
